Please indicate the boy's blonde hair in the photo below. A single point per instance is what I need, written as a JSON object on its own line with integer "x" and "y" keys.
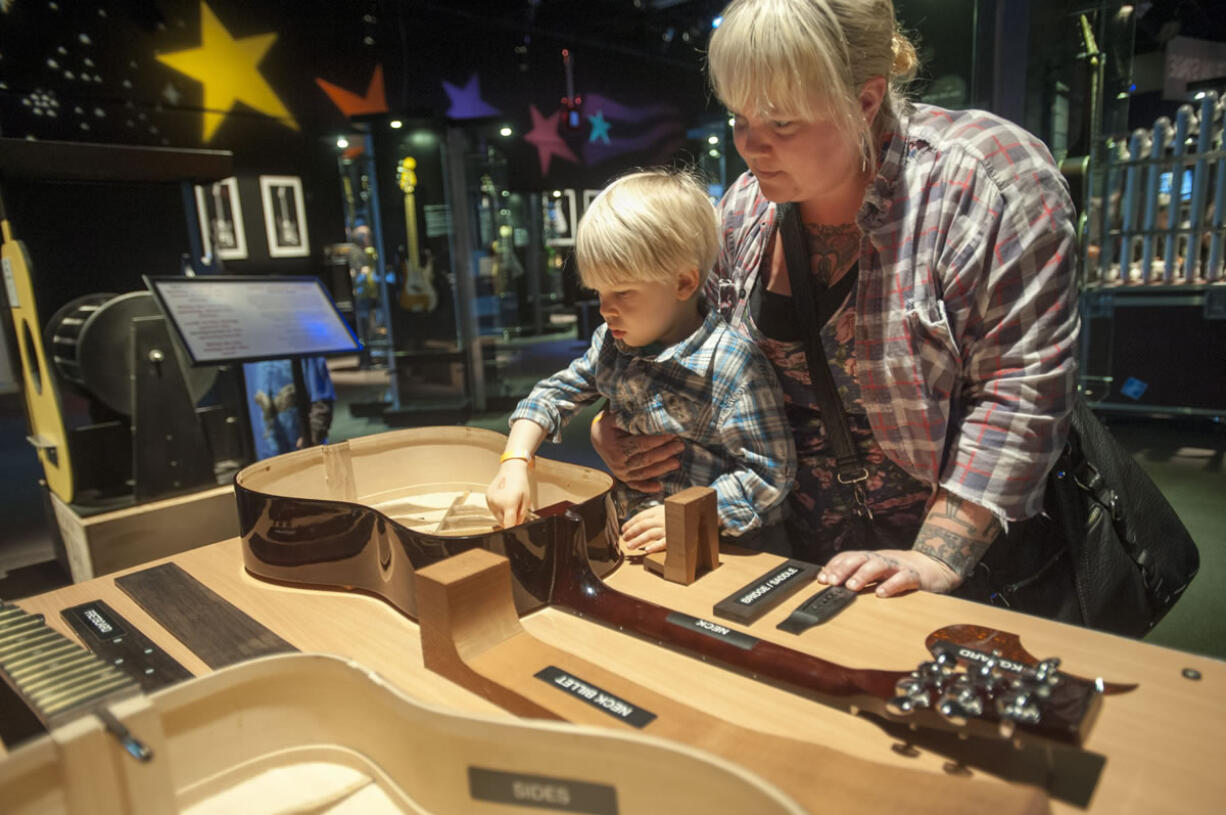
{"x": 808, "y": 59}
{"x": 647, "y": 226}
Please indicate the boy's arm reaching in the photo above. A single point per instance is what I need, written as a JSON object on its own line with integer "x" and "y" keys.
{"x": 541, "y": 414}
{"x": 557, "y": 398}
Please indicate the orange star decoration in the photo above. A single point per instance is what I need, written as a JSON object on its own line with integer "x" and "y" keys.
{"x": 229, "y": 70}
{"x": 350, "y": 104}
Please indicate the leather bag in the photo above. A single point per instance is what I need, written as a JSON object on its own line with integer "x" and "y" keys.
{"x": 1109, "y": 552}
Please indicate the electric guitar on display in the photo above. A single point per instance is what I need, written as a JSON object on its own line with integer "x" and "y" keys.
{"x": 417, "y": 292}
{"x": 289, "y": 231}
{"x": 222, "y": 228}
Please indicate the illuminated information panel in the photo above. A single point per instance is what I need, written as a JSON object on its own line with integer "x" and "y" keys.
{"x": 243, "y": 319}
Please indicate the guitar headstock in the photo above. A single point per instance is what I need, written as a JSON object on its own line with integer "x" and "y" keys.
{"x": 988, "y": 694}
{"x": 406, "y": 174}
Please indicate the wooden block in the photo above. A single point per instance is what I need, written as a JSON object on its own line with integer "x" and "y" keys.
{"x": 109, "y": 541}
{"x": 691, "y": 527}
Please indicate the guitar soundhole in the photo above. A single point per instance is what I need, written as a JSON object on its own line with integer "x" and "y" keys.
{"x": 35, "y": 370}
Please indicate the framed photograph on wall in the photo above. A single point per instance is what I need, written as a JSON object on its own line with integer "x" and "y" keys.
{"x": 221, "y": 219}
{"x": 561, "y": 217}
{"x": 284, "y": 216}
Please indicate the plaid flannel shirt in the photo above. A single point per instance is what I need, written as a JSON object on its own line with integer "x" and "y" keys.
{"x": 714, "y": 390}
{"x": 966, "y": 319}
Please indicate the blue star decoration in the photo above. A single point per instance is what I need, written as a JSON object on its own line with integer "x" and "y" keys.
{"x": 600, "y": 128}
{"x": 466, "y": 102}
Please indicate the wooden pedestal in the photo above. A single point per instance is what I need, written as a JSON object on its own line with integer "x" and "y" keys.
{"x": 108, "y": 541}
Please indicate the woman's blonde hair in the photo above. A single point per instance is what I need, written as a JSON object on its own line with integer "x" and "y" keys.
{"x": 647, "y": 226}
{"x": 808, "y": 60}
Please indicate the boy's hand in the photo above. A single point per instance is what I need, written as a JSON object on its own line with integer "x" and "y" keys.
{"x": 644, "y": 532}
{"x": 508, "y": 496}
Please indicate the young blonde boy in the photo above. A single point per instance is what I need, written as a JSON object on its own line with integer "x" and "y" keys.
{"x": 667, "y": 364}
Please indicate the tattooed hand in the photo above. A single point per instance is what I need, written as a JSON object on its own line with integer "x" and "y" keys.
{"x": 954, "y": 536}
{"x": 637, "y": 461}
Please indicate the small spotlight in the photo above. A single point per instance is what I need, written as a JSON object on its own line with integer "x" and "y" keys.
{"x": 342, "y": 142}
{"x": 715, "y": 23}
{"x": 731, "y": 121}
{"x": 712, "y": 139}
{"x": 395, "y": 124}
{"x": 1199, "y": 95}
{"x": 557, "y": 193}
{"x": 713, "y": 153}
{"x": 505, "y": 131}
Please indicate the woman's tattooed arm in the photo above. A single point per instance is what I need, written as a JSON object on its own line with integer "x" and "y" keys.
{"x": 957, "y": 533}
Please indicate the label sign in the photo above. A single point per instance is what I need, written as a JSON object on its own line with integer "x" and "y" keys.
{"x": 541, "y": 791}
{"x": 98, "y": 622}
{"x": 597, "y": 697}
{"x": 710, "y": 629}
{"x": 751, "y": 601}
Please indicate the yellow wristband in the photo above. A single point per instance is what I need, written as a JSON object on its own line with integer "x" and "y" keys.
{"x": 510, "y": 454}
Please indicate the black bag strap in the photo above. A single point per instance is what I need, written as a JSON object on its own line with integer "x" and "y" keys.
{"x": 851, "y": 470}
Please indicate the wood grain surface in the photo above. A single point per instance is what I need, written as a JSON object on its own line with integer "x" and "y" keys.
{"x": 1155, "y": 749}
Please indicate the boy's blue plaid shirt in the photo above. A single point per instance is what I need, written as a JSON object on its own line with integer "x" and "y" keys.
{"x": 714, "y": 390}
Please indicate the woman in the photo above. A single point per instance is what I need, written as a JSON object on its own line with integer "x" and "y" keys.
{"x": 953, "y": 352}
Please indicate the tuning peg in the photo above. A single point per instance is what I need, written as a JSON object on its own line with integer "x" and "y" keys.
{"x": 1018, "y": 705}
{"x": 945, "y": 656}
{"x": 911, "y": 693}
{"x": 1047, "y": 671}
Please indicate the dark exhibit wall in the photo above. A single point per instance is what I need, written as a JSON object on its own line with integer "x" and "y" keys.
{"x": 264, "y": 78}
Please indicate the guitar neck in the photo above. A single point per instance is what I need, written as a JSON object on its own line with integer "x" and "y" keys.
{"x": 1071, "y": 705}
{"x": 410, "y": 228}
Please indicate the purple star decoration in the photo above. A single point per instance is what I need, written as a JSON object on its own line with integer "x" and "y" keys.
{"x": 466, "y": 102}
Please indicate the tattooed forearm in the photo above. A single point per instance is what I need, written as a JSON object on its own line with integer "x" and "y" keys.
{"x": 951, "y": 548}
{"x": 957, "y": 533}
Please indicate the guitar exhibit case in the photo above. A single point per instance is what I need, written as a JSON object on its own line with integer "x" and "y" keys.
{"x": 317, "y": 734}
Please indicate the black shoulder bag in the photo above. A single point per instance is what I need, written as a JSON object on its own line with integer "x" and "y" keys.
{"x": 1108, "y": 551}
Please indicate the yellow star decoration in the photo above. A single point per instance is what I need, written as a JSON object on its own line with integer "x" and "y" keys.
{"x": 228, "y": 69}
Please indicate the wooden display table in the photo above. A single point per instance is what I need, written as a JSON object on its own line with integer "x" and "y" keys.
{"x": 1153, "y": 749}
{"x": 104, "y": 542}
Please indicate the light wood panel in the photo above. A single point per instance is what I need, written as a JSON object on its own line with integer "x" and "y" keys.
{"x": 1160, "y": 742}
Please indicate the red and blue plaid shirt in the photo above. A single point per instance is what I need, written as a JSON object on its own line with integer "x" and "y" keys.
{"x": 966, "y": 319}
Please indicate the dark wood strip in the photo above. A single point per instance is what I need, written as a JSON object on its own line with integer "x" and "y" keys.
{"x": 105, "y": 632}
{"x": 210, "y": 626}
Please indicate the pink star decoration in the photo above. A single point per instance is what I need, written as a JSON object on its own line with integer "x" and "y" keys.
{"x": 544, "y": 135}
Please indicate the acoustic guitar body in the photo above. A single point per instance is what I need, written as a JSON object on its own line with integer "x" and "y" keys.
{"x": 368, "y": 512}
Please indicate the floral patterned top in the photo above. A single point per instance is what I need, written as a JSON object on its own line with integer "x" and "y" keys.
{"x": 822, "y": 521}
